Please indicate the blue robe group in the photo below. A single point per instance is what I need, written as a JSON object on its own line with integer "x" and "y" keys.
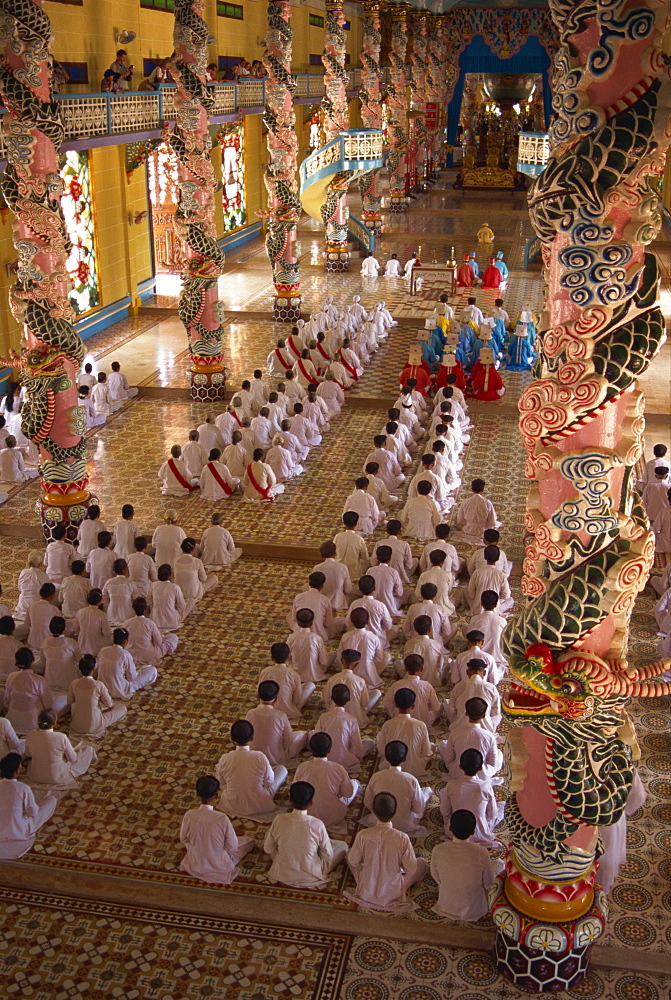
{"x": 521, "y": 354}
{"x": 503, "y": 268}
{"x": 476, "y": 267}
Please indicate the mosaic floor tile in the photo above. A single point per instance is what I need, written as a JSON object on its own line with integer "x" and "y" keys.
{"x": 56, "y": 948}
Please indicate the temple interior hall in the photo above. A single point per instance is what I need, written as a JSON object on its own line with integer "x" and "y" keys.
{"x": 99, "y": 907}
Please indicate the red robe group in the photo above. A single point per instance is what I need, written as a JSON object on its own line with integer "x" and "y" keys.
{"x": 486, "y": 383}
{"x": 465, "y": 276}
{"x": 492, "y": 277}
{"x": 420, "y": 373}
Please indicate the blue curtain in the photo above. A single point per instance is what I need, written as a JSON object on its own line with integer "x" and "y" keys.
{"x": 477, "y": 57}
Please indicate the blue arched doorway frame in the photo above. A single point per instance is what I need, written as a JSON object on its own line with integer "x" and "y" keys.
{"x": 477, "y": 57}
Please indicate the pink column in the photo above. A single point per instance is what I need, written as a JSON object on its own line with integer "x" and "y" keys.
{"x": 336, "y": 120}
{"x": 52, "y": 350}
{"x": 572, "y": 746}
{"x": 397, "y": 112}
{"x": 435, "y": 76}
{"x": 370, "y": 95}
{"x": 284, "y": 205}
{"x": 199, "y": 307}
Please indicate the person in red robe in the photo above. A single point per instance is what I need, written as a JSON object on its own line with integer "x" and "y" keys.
{"x": 465, "y": 274}
{"x": 492, "y": 277}
{"x": 486, "y": 383}
{"x": 450, "y": 366}
{"x": 417, "y": 370}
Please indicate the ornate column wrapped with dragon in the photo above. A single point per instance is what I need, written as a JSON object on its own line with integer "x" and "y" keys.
{"x": 52, "y": 351}
{"x": 572, "y": 745}
{"x": 370, "y": 95}
{"x": 335, "y": 212}
{"x": 435, "y": 89}
{"x": 284, "y": 205}
{"x": 397, "y": 111}
{"x": 418, "y": 61}
{"x": 199, "y": 307}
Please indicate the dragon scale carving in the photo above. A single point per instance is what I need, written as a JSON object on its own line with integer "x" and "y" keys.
{"x": 31, "y": 185}
{"x": 284, "y": 205}
{"x": 595, "y": 208}
{"x": 397, "y": 113}
{"x": 335, "y": 212}
{"x": 370, "y": 96}
{"x": 199, "y": 307}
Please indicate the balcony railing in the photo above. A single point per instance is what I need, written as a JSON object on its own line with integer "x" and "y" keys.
{"x": 357, "y": 149}
{"x": 98, "y": 115}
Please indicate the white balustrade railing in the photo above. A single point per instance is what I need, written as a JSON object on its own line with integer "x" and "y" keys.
{"x": 103, "y": 114}
{"x": 359, "y": 149}
{"x": 533, "y": 152}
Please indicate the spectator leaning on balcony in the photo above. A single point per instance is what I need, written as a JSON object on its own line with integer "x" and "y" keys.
{"x": 211, "y": 73}
{"x": 125, "y": 72}
{"x": 158, "y": 75}
{"x": 110, "y": 81}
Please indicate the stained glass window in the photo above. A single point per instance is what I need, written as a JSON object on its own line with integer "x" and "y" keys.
{"x": 233, "y": 176}
{"x": 78, "y": 213}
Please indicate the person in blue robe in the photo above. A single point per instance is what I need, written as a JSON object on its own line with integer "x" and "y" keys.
{"x": 474, "y": 264}
{"x": 501, "y": 264}
{"x": 520, "y": 353}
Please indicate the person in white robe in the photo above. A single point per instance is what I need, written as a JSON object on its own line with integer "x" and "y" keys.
{"x": 427, "y": 706}
{"x": 20, "y": 815}
{"x": 659, "y": 458}
{"x": 101, "y": 397}
{"x": 141, "y": 567}
{"x": 293, "y": 694}
{"x": 393, "y": 267}
{"x": 661, "y": 583}
{"x": 441, "y": 626}
{"x": 370, "y": 267}
{"x": 262, "y": 428}
{"x": 357, "y": 311}
{"x": 452, "y": 560}
{"x": 410, "y": 264}
{"x": 60, "y": 656}
{"x": 388, "y": 584}
{"x": 53, "y": 760}
{"x": 334, "y": 789}
{"x": 259, "y": 390}
{"x": 362, "y": 699}
{"x": 59, "y": 556}
{"x": 477, "y": 558}
{"x": 304, "y": 429}
{"x": 35, "y": 628}
{"x": 91, "y": 707}
{"x": 145, "y": 642}
{"x": 491, "y": 624}
{"x": 370, "y": 515}
{"x": 118, "y": 384}
{"x": 654, "y": 495}
{"x": 476, "y": 514}
{"x": 474, "y": 651}
{"x": 281, "y": 460}
{"x": 340, "y": 374}
{"x": 463, "y": 870}
{"x": 168, "y": 607}
{"x": 93, "y": 419}
{"x": 259, "y": 482}
{"x": 194, "y": 456}
{"x": 176, "y": 480}
{"x": 167, "y": 539}
{"x": 309, "y": 656}
{"x": 476, "y": 794}
{"x": 305, "y": 371}
{"x": 373, "y": 655}
{"x": 472, "y": 734}
{"x": 191, "y": 578}
{"x": 213, "y": 850}
{"x": 249, "y": 783}
{"x": 9, "y": 741}
{"x": 118, "y": 594}
{"x": 273, "y": 734}
{"x": 88, "y": 531}
{"x": 234, "y": 456}
{"x": 383, "y": 862}
{"x": 614, "y": 837}
{"x": 338, "y": 583}
{"x": 347, "y": 745}
{"x": 125, "y": 532}
{"x": 433, "y": 653}
{"x": 26, "y": 693}
{"x": 217, "y": 548}
{"x": 226, "y": 424}
{"x": 302, "y": 853}
{"x": 351, "y": 549}
{"x": 92, "y": 626}
{"x": 412, "y": 732}
{"x": 489, "y": 577}
{"x": 86, "y": 377}
{"x": 280, "y": 360}
{"x": 100, "y": 561}
{"x": 116, "y": 669}
{"x": 30, "y": 581}
{"x": 9, "y": 647}
{"x": 13, "y": 467}
{"x": 411, "y": 799}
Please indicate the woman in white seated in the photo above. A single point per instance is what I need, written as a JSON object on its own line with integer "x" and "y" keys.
{"x": 53, "y": 759}
{"x": 260, "y": 482}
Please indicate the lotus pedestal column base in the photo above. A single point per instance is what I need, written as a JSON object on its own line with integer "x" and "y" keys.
{"x": 68, "y": 509}
{"x": 336, "y": 261}
{"x": 286, "y": 308}
{"x": 207, "y": 385}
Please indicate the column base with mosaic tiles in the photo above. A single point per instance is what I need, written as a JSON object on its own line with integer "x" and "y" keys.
{"x": 207, "y": 383}
{"x": 286, "y": 305}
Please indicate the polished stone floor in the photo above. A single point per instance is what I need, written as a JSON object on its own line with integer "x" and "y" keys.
{"x": 143, "y": 928}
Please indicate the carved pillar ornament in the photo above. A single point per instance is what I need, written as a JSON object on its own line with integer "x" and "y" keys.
{"x": 418, "y": 90}
{"x": 31, "y": 185}
{"x": 335, "y": 212}
{"x": 199, "y": 307}
{"x": 284, "y": 205}
{"x": 397, "y": 111}
{"x": 572, "y": 746}
{"x": 370, "y": 95}
{"x": 435, "y": 91}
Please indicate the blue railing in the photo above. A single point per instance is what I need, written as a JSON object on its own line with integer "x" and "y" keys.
{"x": 354, "y": 150}
{"x": 359, "y": 231}
{"x": 532, "y": 248}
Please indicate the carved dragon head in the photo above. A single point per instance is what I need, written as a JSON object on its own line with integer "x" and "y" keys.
{"x": 576, "y": 683}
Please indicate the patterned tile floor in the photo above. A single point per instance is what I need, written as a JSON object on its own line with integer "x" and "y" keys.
{"x": 104, "y": 825}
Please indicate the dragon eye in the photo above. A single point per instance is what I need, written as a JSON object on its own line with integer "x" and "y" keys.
{"x": 570, "y": 687}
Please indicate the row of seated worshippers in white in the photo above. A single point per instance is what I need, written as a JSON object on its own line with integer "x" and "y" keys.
{"x": 382, "y": 858}
{"x": 265, "y": 434}
{"x": 87, "y": 644}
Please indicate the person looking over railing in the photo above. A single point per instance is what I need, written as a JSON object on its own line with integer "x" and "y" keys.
{"x": 111, "y": 82}
{"x": 125, "y": 71}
